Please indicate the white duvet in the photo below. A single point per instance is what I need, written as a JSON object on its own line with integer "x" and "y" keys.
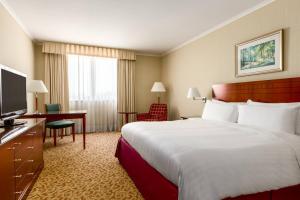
{"x": 211, "y": 160}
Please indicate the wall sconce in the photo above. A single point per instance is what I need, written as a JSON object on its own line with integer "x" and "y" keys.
{"x": 194, "y": 94}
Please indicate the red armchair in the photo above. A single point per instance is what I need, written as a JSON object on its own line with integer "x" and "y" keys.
{"x": 157, "y": 112}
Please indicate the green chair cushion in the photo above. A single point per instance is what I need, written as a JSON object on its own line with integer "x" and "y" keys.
{"x": 60, "y": 124}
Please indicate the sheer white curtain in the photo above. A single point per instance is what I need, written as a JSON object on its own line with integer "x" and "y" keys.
{"x": 93, "y": 87}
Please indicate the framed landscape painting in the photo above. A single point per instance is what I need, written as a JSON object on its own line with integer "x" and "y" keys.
{"x": 260, "y": 55}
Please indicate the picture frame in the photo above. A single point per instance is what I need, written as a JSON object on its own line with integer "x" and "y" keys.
{"x": 261, "y": 55}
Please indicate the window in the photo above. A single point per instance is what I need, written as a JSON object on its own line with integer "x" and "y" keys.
{"x": 93, "y": 87}
{"x": 92, "y": 78}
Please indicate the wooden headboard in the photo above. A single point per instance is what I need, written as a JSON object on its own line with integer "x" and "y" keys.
{"x": 270, "y": 91}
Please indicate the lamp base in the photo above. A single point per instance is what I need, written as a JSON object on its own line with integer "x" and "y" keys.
{"x": 158, "y": 99}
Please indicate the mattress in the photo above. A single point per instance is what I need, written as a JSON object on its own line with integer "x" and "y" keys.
{"x": 214, "y": 160}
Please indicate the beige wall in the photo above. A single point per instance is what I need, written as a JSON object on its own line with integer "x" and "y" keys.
{"x": 16, "y": 49}
{"x": 39, "y": 71}
{"x": 211, "y": 59}
{"x": 148, "y": 70}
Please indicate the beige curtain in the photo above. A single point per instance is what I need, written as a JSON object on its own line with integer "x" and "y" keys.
{"x": 56, "y": 80}
{"x": 62, "y": 48}
{"x": 126, "y": 91}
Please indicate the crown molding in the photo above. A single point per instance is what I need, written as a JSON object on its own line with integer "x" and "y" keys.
{"x": 148, "y": 54}
{"x": 221, "y": 25}
{"x": 15, "y": 17}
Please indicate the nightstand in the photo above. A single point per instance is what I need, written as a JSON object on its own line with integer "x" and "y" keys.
{"x": 189, "y": 117}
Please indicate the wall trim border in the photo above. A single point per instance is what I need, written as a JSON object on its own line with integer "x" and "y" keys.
{"x": 16, "y": 18}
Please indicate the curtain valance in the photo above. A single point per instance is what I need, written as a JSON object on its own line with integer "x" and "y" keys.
{"x": 63, "y": 48}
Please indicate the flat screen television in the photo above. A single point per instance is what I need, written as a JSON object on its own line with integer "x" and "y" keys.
{"x": 13, "y": 98}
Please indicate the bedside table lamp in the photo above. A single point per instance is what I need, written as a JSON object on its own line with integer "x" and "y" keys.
{"x": 36, "y": 87}
{"x": 158, "y": 87}
{"x": 194, "y": 94}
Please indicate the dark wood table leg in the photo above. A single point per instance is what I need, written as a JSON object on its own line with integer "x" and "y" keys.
{"x": 54, "y": 136}
{"x": 73, "y": 132}
{"x": 126, "y": 118}
{"x": 84, "y": 130}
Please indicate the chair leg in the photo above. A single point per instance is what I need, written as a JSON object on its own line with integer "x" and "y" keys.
{"x": 73, "y": 132}
{"x": 54, "y": 136}
{"x": 62, "y": 133}
{"x": 44, "y": 135}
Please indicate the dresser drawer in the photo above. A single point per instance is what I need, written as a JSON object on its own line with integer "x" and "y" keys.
{"x": 23, "y": 178}
{"x": 23, "y": 141}
{"x": 22, "y": 186}
{"x": 38, "y": 149}
{"x": 23, "y": 172}
{"x": 23, "y": 156}
{"x": 25, "y": 175}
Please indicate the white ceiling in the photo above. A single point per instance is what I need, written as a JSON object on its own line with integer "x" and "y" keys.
{"x": 148, "y": 26}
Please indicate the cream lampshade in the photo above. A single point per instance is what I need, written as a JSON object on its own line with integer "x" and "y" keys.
{"x": 193, "y": 93}
{"x": 158, "y": 87}
{"x": 36, "y": 86}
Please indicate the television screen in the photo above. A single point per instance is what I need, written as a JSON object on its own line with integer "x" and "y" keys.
{"x": 13, "y": 87}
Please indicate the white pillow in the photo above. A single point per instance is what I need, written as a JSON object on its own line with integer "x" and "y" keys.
{"x": 290, "y": 105}
{"x": 250, "y": 102}
{"x": 220, "y": 111}
{"x": 236, "y": 103}
{"x": 273, "y": 118}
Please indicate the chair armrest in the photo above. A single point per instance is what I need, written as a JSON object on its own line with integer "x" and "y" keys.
{"x": 142, "y": 116}
{"x": 159, "y": 117}
{"x": 162, "y": 118}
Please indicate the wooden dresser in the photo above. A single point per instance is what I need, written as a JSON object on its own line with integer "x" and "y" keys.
{"x": 21, "y": 159}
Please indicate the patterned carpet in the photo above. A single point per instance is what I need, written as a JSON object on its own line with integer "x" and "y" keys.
{"x": 73, "y": 173}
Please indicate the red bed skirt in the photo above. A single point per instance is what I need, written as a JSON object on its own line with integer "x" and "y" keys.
{"x": 153, "y": 186}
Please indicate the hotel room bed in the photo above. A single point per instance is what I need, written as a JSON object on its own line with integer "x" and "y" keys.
{"x": 207, "y": 160}
{"x": 215, "y": 160}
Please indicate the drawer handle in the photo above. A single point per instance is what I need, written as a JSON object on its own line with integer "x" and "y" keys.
{"x": 18, "y": 160}
{"x": 30, "y": 174}
{"x": 18, "y": 176}
{"x": 30, "y": 160}
{"x": 11, "y": 148}
{"x": 30, "y": 147}
{"x": 20, "y": 192}
{"x": 17, "y": 143}
{"x": 30, "y": 134}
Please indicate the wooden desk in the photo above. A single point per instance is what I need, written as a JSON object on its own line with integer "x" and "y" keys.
{"x": 54, "y": 116}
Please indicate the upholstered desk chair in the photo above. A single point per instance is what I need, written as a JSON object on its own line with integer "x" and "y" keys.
{"x": 157, "y": 112}
{"x": 58, "y": 125}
